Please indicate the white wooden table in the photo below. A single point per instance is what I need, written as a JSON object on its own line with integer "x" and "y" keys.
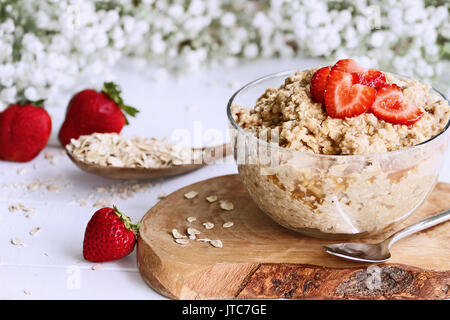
{"x": 50, "y": 264}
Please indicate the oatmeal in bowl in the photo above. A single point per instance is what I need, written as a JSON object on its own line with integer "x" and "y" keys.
{"x": 339, "y": 152}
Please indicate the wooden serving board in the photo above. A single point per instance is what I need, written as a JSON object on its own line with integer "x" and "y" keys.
{"x": 260, "y": 259}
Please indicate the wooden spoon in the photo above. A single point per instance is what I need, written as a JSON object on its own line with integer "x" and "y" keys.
{"x": 209, "y": 155}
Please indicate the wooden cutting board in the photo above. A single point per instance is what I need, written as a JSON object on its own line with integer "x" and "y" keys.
{"x": 260, "y": 259}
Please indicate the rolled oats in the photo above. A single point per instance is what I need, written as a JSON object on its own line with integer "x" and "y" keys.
{"x": 226, "y": 205}
{"x": 110, "y": 149}
{"x": 228, "y": 224}
{"x": 191, "y": 194}
{"x": 34, "y": 231}
{"x": 17, "y": 241}
{"x": 177, "y": 235}
{"x": 216, "y": 243}
{"x": 97, "y": 267}
{"x": 191, "y": 219}
{"x": 192, "y": 231}
{"x": 182, "y": 241}
{"x": 208, "y": 225}
{"x": 211, "y": 198}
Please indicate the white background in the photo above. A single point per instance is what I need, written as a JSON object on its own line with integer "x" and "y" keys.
{"x": 50, "y": 265}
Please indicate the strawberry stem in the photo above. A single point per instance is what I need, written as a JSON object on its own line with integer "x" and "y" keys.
{"x": 38, "y": 103}
{"x": 114, "y": 92}
{"x": 127, "y": 221}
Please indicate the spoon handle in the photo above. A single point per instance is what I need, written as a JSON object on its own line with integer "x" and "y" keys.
{"x": 419, "y": 226}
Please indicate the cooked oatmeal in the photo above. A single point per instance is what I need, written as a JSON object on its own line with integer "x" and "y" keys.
{"x": 325, "y": 196}
{"x": 305, "y": 126}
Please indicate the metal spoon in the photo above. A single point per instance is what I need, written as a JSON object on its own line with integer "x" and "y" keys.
{"x": 379, "y": 252}
{"x": 209, "y": 155}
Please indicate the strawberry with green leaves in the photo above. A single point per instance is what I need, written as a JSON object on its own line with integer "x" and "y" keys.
{"x": 109, "y": 235}
{"x": 90, "y": 111}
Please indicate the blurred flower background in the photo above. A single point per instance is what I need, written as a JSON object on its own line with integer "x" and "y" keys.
{"x": 48, "y": 45}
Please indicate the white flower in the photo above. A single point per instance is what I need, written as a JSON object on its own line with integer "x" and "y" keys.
{"x": 262, "y": 23}
{"x": 377, "y": 39}
{"x": 31, "y": 94}
{"x": 157, "y": 43}
{"x": 7, "y": 26}
{"x": 175, "y": 11}
{"x": 316, "y": 18}
{"x": 51, "y": 44}
{"x": 251, "y": 50}
{"x": 8, "y": 95}
{"x": 228, "y": 20}
{"x": 6, "y": 74}
{"x": 197, "y": 7}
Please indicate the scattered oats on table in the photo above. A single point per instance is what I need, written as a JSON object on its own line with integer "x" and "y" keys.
{"x": 20, "y": 207}
{"x": 211, "y": 198}
{"x": 177, "y": 235}
{"x": 104, "y": 203}
{"x": 53, "y": 188}
{"x": 31, "y": 214}
{"x": 192, "y": 231}
{"x": 216, "y": 243}
{"x": 190, "y": 194}
{"x": 191, "y": 219}
{"x": 97, "y": 267}
{"x": 82, "y": 202}
{"x": 17, "y": 207}
{"x": 48, "y": 155}
{"x": 226, "y": 205}
{"x": 34, "y": 231}
{"x": 33, "y": 186}
{"x": 17, "y": 241}
{"x": 162, "y": 195}
{"x": 228, "y": 224}
{"x": 111, "y": 149}
{"x": 208, "y": 225}
{"x": 182, "y": 241}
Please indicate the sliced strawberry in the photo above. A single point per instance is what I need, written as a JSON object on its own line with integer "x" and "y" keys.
{"x": 348, "y": 65}
{"x": 318, "y": 84}
{"x": 343, "y": 98}
{"x": 390, "y": 106}
{"x": 372, "y": 78}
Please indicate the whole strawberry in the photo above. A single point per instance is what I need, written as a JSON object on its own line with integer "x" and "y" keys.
{"x": 90, "y": 111}
{"x": 109, "y": 235}
{"x": 24, "y": 131}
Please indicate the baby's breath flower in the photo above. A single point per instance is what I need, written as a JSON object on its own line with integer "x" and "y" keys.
{"x": 45, "y": 46}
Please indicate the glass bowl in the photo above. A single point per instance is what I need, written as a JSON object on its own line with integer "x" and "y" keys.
{"x": 332, "y": 196}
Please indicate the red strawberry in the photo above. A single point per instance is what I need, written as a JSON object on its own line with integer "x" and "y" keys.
{"x": 91, "y": 111}
{"x": 372, "y": 78}
{"x": 344, "y": 98}
{"x": 318, "y": 84}
{"x": 348, "y": 65}
{"x": 109, "y": 235}
{"x": 390, "y": 106}
{"x": 24, "y": 132}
